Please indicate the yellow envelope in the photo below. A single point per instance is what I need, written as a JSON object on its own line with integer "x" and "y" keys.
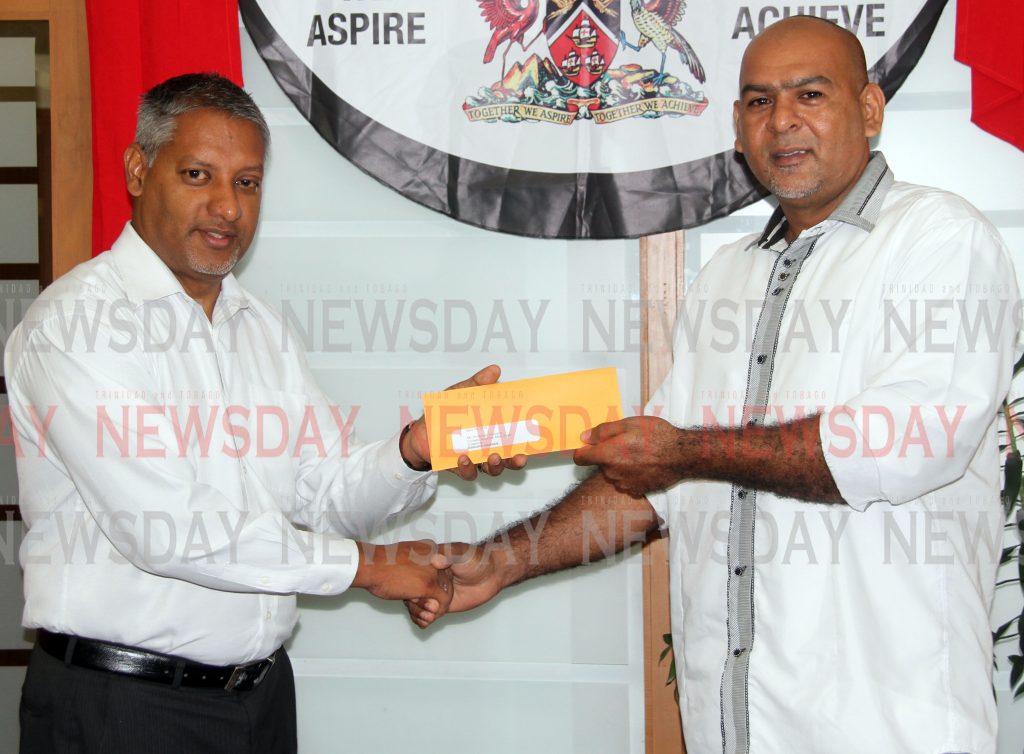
{"x": 539, "y": 415}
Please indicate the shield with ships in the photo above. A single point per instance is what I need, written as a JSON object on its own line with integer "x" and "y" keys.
{"x": 583, "y": 36}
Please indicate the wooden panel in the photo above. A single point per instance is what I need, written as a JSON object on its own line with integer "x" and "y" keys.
{"x": 19, "y": 271}
{"x": 10, "y": 658}
{"x": 661, "y": 285}
{"x": 17, "y": 94}
{"x": 19, "y": 176}
{"x": 25, "y": 10}
{"x": 71, "y": 140}
{"x": 44, "y": 190}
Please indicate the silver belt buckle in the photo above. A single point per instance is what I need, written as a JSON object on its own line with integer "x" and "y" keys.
{"x": 241, "y": 673}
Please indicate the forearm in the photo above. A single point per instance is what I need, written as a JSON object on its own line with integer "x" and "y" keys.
{"x": 784, "y": 459}
{"x": 593, "y": 521}
{"x": 354, "y": 494}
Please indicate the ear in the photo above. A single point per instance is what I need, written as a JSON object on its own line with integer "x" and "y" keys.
{"x": 736, "y": 126}
{"x": 872, "y": 107}
{"x": 135, "y": 168}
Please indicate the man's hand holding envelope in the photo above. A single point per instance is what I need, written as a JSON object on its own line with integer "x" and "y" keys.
{"x": 414, "y": 444}
{"x": 481, "y": 421}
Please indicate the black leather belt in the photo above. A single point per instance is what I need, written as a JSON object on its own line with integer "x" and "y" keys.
{"x": 151, "y": 666}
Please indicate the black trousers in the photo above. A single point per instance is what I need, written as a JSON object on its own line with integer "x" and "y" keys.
{"x": 72, "y": 710}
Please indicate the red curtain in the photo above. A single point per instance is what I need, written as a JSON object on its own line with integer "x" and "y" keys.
{"x": 133, "y": 45}
{"x": 990, "y": 39}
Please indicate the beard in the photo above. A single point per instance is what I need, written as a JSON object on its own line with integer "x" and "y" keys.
{"x": 793, "y": 187}
{"x": 214, "y": 267}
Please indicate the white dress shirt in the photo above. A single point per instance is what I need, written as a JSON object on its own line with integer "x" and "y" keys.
{"x": 808, "y": 627}
{"x": 182, "y": 480}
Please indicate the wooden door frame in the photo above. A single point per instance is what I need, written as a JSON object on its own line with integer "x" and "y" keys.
{"x": 662, "y": 283}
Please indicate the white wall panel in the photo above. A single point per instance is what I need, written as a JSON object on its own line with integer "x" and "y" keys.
{"x": 15, "y": 298}
{"x": 17, "y": 61}
{"x": 12, "y": 636}
{"x": 8, "y": 470}
{"x": 384, "y": 715}
{"x": 19, "y": 220}
{"x": 18, "y": 125}
{"x": 10, "y": 693}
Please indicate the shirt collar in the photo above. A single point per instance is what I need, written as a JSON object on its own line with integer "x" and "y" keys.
{"x": 146, "y": 277}
{"x": 860, "y": 207}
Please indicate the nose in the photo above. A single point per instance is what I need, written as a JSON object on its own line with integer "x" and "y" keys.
{"x": 784, "y": 116}
{"x": 224, "y": 202}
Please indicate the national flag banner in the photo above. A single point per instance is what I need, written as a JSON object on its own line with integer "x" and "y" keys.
{"x": 549, "y": 118}
{"x": 134, "y": 45}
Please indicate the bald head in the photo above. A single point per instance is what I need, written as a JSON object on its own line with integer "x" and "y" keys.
{"x": 813, "y": 36}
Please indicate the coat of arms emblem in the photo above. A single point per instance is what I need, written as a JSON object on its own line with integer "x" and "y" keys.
{"x": 575, "y": 78}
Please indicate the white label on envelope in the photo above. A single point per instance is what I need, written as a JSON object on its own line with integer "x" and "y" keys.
{"x": 495, "y": 436}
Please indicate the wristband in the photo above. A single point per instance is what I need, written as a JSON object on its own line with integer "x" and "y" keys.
{"x": 401, "y": 439}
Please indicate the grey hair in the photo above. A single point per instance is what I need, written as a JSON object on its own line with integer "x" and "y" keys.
{"x": 161, "y": 105}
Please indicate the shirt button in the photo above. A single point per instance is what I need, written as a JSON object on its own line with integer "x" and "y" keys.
{"x": 269, "y": 615}
{"x": 738, "y": 652}
{"x": 739, "y": 570}
{"x": 398, "y": 477}
{"x": 777, "y": 291}
{"x": 325, "y": 588}
{"x": 783, "y": 276}
{"x": 787, "y": 262}
{"x": 741, "y": 494}
{"x": 761, "y": 358}
{"x": 264, "y": 581}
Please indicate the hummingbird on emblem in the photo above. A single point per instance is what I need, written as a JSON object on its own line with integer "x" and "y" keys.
{"x": 656, "y": 21}
{"x": 509, "y": 21}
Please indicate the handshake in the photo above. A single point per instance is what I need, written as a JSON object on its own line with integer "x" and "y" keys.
{"x": 434, "y": 579}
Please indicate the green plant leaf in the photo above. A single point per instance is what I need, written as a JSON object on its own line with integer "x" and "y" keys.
{"x": 1020, "y": 632}
{"x": 1019, "y": 365}
{"x": 1016, "y": 670}
{"x": 1000, "y": 632}
{"x": 1011, "y": 480}
{"x": 667, "y": 638}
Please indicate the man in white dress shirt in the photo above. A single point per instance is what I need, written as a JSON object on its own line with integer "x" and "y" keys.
{"x": 184, "y": 477}
{"x": 830, "y": 479}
